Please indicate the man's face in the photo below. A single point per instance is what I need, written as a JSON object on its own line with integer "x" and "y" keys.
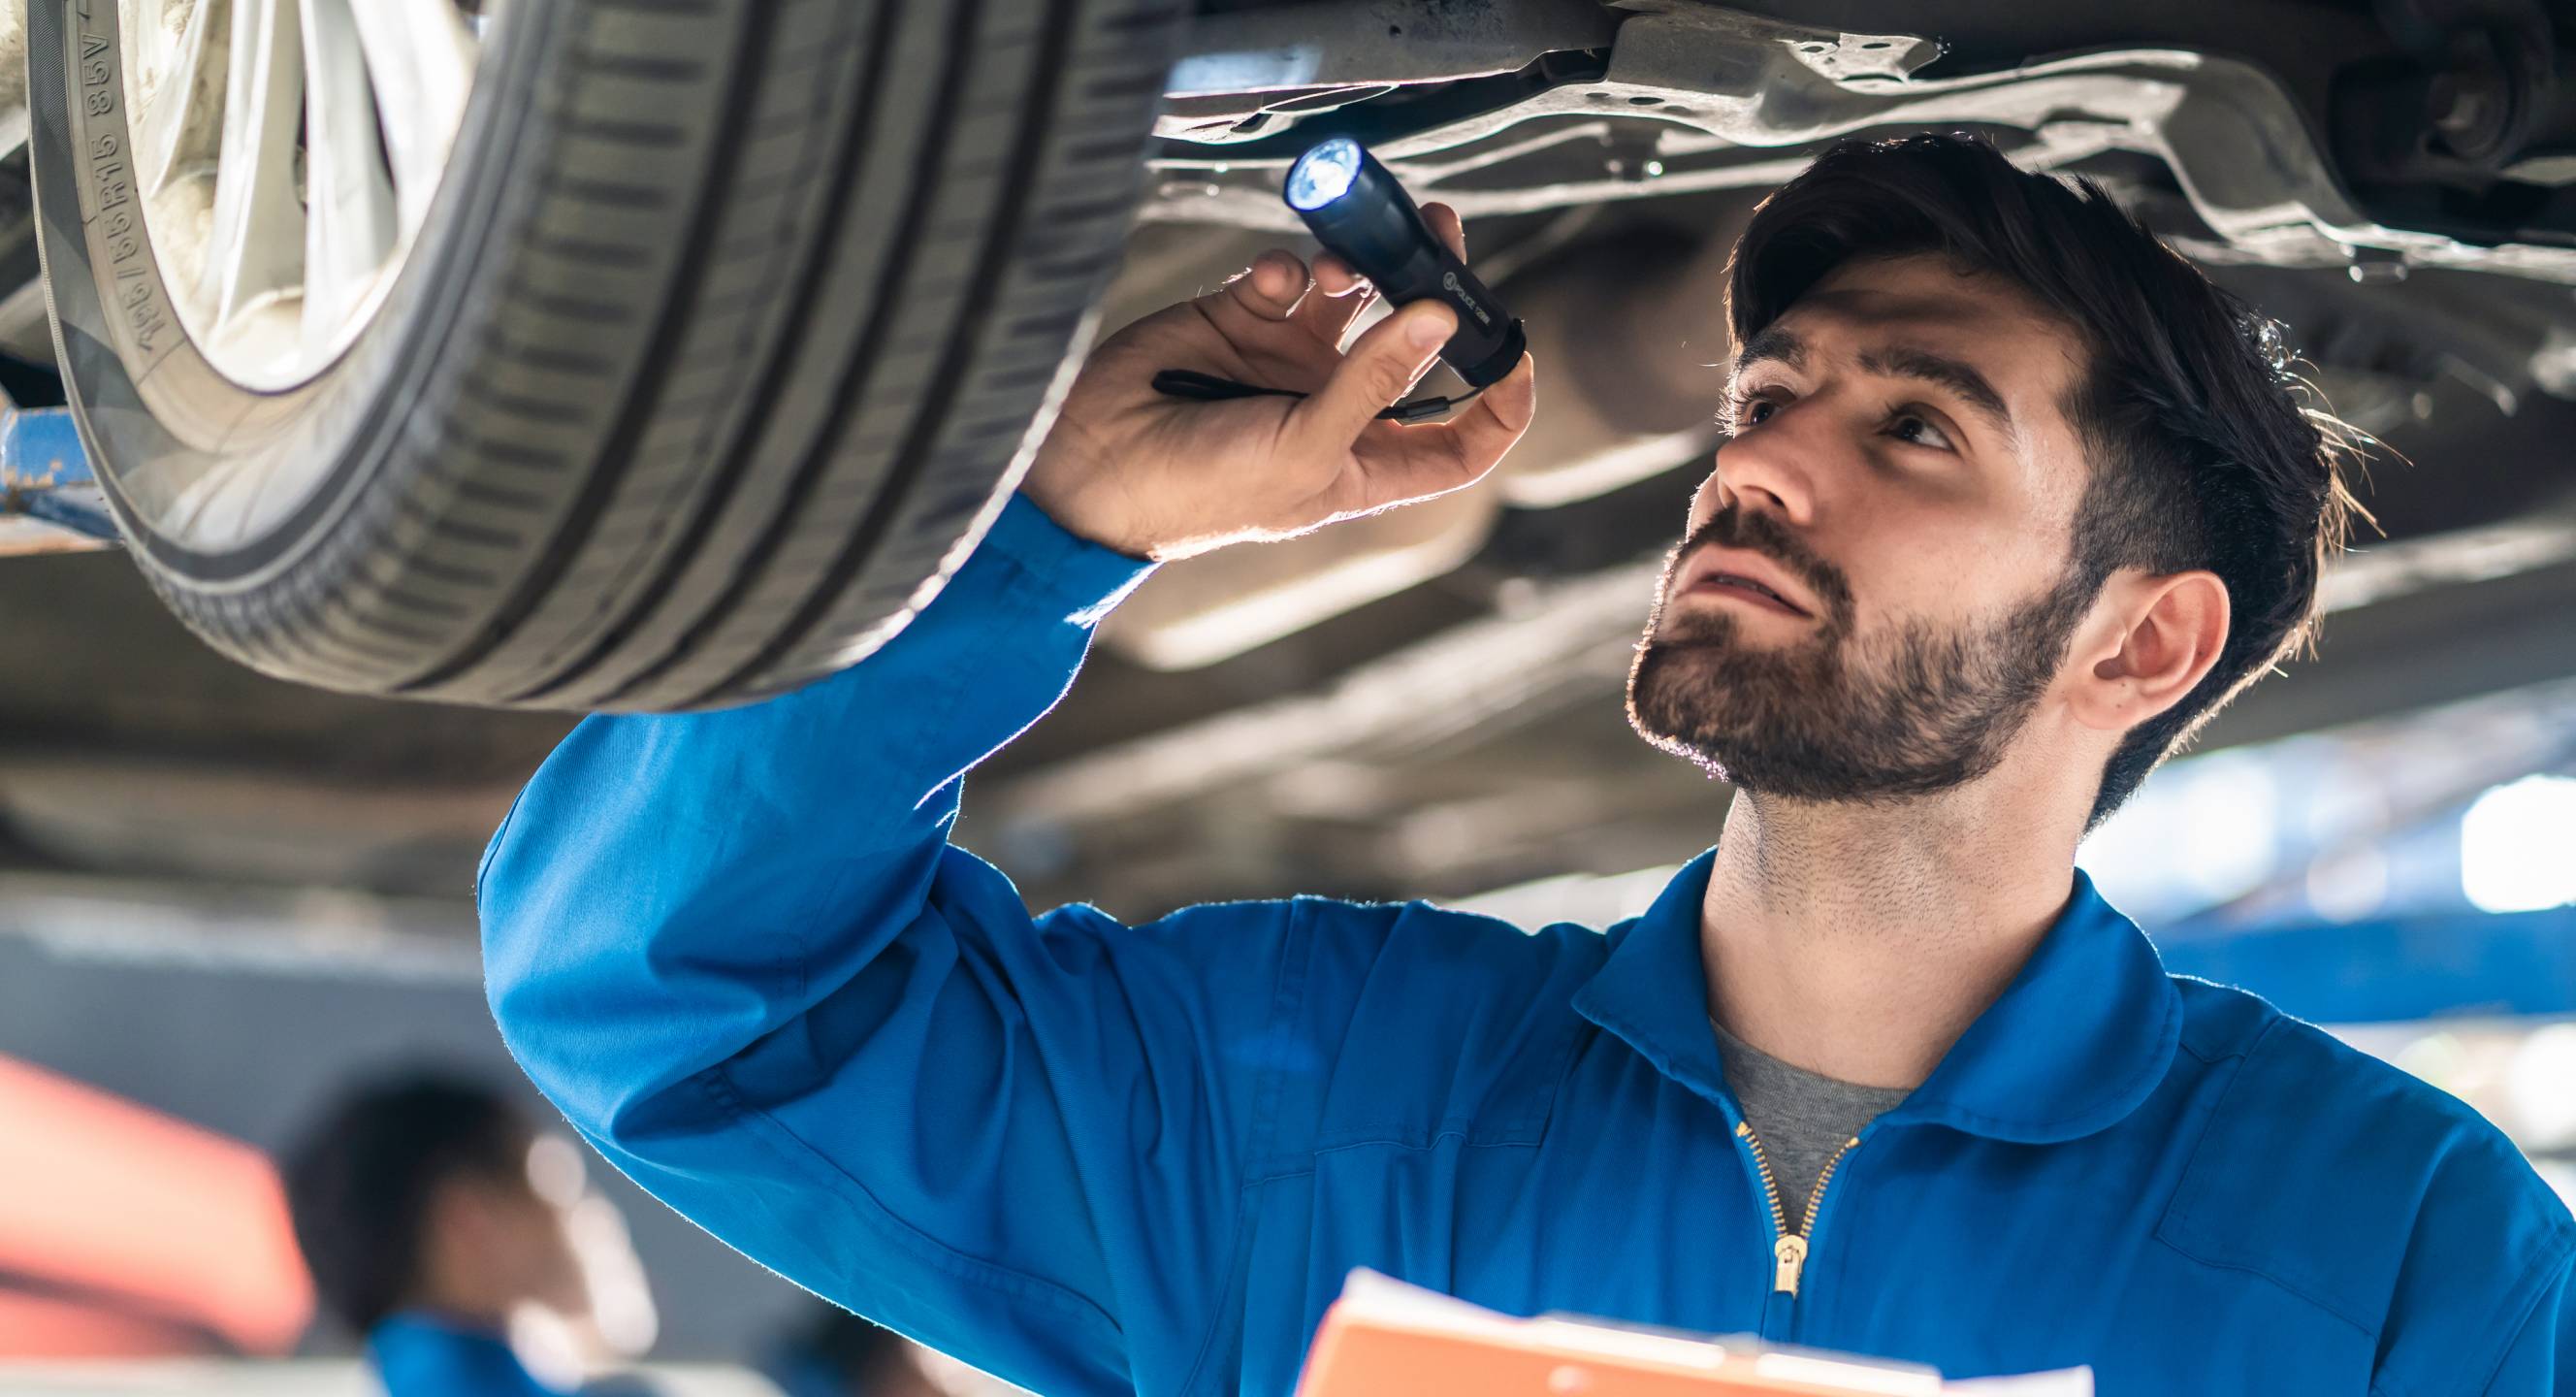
{"x": 1902, "y": 483}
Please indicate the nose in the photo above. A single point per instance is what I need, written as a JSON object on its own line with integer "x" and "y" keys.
{"x": 1772, "y": 466}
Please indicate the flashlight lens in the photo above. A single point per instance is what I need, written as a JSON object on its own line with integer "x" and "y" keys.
{"x": 1323, "y": 174}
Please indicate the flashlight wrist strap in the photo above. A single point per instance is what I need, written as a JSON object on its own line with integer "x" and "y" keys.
{"x": 1188, "y": 383}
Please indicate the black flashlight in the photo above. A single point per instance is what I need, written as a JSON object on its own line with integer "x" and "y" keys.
{"x": 1358, "y": 211}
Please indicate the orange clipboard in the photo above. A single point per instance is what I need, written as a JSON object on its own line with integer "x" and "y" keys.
{"x": 1384, "y": 1338}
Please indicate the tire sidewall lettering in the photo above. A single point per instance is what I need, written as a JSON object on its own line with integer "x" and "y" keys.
{"x": 140, "y": 349}
{"x": 142, "y": 323}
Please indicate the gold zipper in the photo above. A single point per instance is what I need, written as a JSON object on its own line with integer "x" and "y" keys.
{"x": 1789, "y": 1249}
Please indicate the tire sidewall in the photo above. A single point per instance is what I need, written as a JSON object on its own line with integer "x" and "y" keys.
{"x": 151, "y": 407}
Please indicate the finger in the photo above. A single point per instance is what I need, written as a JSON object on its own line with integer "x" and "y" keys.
{"x": 1401, "y": 464}
{"x": 1444, "y": 221}
{"x": 1265, "y": 292}
{"x": 1380, "y": 368}
{"x": 1338, "y": 297}
{"x": 1338, "y": 277}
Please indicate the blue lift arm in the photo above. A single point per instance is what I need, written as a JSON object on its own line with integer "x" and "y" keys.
{"x": 49, "y": 500}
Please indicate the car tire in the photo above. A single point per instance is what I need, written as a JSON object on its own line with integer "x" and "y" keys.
{"x": 727, "y": 330}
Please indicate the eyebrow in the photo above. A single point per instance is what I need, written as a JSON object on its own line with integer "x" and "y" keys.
{"x": 1771, "y": 342}
{"x": 1940, "y": 370}
{"x": 1776, "y": 344}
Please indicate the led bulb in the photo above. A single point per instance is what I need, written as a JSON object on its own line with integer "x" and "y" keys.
{"x": 1323, "y": 174}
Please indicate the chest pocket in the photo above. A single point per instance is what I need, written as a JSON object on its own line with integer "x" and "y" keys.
{"x": 1425, "y": 1023}
{"x": 2294, "y": 1185}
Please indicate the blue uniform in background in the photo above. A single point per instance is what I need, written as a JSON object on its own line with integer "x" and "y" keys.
{"x": 421, "y": 1355}
{"x": 737, "y": 949}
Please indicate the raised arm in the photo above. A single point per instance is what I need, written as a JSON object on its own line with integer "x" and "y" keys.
{"x": 738, "y": 951}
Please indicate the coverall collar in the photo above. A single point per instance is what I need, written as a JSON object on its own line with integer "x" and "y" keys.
{"x": 2077, "y": 1041}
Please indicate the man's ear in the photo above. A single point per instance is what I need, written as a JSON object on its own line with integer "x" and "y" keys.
{"x": 2152, "y": 639}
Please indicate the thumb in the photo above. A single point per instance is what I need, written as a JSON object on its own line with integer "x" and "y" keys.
{"x": 1380, "y": 368}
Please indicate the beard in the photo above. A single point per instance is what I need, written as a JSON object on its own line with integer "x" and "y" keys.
{"x": 1833, "y": 716}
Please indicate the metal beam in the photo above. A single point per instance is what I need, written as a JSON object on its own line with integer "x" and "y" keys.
{"x": 1578, "y": 634}
{"x": 2414, "y": 650}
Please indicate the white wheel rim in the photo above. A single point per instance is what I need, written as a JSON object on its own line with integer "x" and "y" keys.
{"x": 288, "y": 152}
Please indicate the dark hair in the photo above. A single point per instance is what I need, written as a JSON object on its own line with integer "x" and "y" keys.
{"x": 360, "y": 1183}
{"x": 2204, "y": 452}
{"x": 841, "y": 1352}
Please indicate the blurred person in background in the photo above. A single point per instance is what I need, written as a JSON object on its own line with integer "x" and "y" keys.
{"x": 462, "y": 1243}
{"x": 839, "y": 1354}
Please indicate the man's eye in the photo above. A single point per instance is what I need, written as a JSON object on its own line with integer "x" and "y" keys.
{"x": 1750, "y": 410}
{"x": 1914, "y": 429}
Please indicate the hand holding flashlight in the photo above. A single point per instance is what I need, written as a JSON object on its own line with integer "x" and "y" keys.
{"x": 1159, "y": 476}
{"x": 1357, "y": 209}
{"x": 1360, "y": 213}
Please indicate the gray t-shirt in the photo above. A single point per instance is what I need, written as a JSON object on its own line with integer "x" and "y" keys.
{"x": 1802, "y": 1117}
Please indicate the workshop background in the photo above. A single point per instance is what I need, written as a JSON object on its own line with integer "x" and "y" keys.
{"x": 223, "y": 897}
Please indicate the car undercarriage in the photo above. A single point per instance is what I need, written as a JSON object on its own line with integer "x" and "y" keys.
{"x": 1354, "y": 709}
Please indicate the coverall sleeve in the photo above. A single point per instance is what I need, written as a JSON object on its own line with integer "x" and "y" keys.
{"x": 740, "y": 954}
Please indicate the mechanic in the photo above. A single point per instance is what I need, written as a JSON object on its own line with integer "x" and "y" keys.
{"x": 425, "y": 1212}
{"x": 2015, "y": 498}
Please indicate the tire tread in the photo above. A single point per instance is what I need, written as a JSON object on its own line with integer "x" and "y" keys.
{"x": 643, "y": 463}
